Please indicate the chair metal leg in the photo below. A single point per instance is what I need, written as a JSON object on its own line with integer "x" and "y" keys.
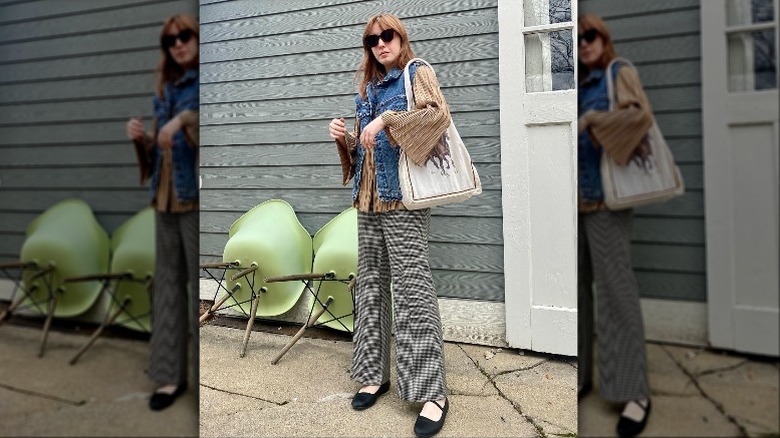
{"x": 309, "y": 323}
{"x": 47, "y": 324}
{"x": 99, "y": 330}
{"x": 8, "y": 311}
{"x": 203, "y": 318}
{"x": 255, "y": 301}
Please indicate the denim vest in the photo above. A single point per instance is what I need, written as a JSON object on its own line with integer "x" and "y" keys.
{"x": 387, "y": 94}
{"x": 591, "y": 95}
{"x": 177, "y": 96}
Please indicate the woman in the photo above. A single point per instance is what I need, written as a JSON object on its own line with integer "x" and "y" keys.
{"x": 604, "y": 235}
{"x": 393, "y": 241}
{"x": 170, "y": 158}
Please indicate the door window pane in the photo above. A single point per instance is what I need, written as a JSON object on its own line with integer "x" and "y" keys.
{"x": 549, "y": 61}
{"x": 752, "y": 61}
{"x": 742, "y": 12}
{"x": 539, "y": 12}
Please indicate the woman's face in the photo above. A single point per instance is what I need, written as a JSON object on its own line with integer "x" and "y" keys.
{"x": 386, "y": 52}
{"x": 183, "y": 53}
{"x": 590, "y": 52}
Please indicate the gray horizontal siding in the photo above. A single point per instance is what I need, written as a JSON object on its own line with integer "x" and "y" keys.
{"x": 273, "y": 75}
{"x": 71, "y": 74}
{"x": 444, "y": 229}
{"x": 333, "y": 201}
{"x": 662, "y": 39}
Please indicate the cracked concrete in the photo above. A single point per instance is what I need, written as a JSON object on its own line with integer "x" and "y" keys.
{"x": 538, "y": 392}
{"x": 106, "y": 393}
{"x": 744, "y": 391}
{"x": 486, "y": 395}
{"x": 697, "y": 392}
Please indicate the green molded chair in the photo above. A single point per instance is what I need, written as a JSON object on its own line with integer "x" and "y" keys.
{"x": 267, "y": 241}
{"x": 64, "y": 241}
{"x": 336, "y": 251}
{"x": 131, "y": 273}
{"x": 133, "y": 253}
{"x": 333, "y": 278}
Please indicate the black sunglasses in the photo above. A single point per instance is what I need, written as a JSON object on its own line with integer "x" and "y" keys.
{"x": 588, "y": 36}
{"x": 169, "y": 41}
{"x": 371, "y": 41}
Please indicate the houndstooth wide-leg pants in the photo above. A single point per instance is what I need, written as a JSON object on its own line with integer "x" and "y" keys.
{"x": 604, "y": 256}
{"x": 174, "y": 304}
{"x": 394, "y": 245}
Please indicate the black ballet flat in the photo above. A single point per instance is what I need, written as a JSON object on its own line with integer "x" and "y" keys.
{"x": 627, "y": 427}
{"x": 364, "y": 400}
{"x": 161, "y": 400}
{"x": 582, "y": 392}
{"x": 425, "y": 427}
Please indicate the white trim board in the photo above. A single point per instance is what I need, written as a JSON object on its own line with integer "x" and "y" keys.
{"x": 468, "y": 321}
{"x": 680, "y": 322}
{"x": 95, "y": 314}
{"x": 6, "y": 288}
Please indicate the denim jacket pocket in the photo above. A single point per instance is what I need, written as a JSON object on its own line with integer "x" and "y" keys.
{"x": 394, "y": 103}
{"x": 363, "y": 112}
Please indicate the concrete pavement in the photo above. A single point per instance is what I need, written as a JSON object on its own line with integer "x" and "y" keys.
{"x": 497, "y": 393}
{"x": 699, "y": 393}
{"x": 493, "y": 392}
{"x": 105, "y": 393}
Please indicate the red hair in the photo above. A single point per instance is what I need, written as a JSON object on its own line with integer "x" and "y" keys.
{"x": 168, "y": 70}
{"x": 371, "y": 68}
{"x": 589, "y": 21}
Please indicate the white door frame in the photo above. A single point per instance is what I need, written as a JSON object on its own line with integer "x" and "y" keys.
{"x": 538, "y": 184}
{"x": 742, "y": 246}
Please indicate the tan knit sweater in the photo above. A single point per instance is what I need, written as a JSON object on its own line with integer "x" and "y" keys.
{"x": 620, "y": 132}
{"x": 417, "y": 132}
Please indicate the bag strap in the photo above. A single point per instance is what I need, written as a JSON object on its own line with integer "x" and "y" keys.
{"x": 611, "y": 88}
{"x": 408, "y": 82}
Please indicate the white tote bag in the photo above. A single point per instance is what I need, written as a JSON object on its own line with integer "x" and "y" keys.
{"x": 638, "y": 183}
{"x": 444, "y": 179}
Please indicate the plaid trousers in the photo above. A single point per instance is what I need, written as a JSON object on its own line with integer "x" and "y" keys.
{"x": 604, "y": 257}
{"x": 394, "y": 245}
{"x": 174, "y": 304}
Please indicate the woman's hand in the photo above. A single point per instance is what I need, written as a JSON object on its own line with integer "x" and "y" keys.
{"x": 338, "y": 130}
{"x": 135, "y": 129}
{"x": 584, "y": 121}
{"x": 165, "y": 136}
{"x": 368, "y": 136}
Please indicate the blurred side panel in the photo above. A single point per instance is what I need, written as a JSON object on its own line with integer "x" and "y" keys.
{"x": 71, "y": 74}
{"x": 668, "y": 245}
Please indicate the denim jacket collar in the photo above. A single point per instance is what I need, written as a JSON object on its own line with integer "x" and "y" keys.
{"x": 188, "y": 75}
{"x": 393, "y": 74}
{"x": 593, "y": 76}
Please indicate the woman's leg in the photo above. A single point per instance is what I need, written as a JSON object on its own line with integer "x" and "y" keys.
{"x": 584, "y": 308}
{"x": 371, "y": 352}
{"x": 622, "y": 360}
{"x": 170, "y": 318}
{"x": 190, "y": 230}
{"x": 418, "y": 333}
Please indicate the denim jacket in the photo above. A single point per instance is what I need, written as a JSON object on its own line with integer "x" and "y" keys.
{"x": 388, "y": 94}
{"x": 177, "y": 96}
{"x": 591, "y": 95}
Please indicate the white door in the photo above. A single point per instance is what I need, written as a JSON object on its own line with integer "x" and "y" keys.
{"x": 742, "y": 189}
{"x": 537, "y": 71}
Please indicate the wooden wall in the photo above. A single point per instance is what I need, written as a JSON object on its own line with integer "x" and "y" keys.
{"x": 71, "y": 74}
{"x": 273, "y": 75}
{"x": 662, "y": 39}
